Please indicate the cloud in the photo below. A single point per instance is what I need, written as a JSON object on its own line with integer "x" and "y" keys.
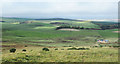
{"x": 60, "y": 8}
{"x": 60, "y": 0}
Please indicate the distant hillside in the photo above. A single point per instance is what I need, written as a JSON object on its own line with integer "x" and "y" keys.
{"x": 25, "y": 19}
{"x": 14, "y": 19}
{"x": 59, "y": 19}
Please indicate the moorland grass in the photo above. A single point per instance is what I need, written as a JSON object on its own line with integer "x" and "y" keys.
{"x": 37, "y": 55}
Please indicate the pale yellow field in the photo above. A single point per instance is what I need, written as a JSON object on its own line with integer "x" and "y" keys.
{"x": 35, "y": 54}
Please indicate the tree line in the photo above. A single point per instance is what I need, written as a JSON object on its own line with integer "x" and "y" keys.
{"x": 102, "y": 27}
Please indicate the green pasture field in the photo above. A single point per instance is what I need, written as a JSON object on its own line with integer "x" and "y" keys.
{"x": 40, "y": 33}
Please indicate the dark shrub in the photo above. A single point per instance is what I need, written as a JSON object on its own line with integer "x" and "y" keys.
{"x": 25, "y": 45}
{"x": 81, "y": 49}
{"x": 45, "y": 49}
{"x": 12, "y": 50}
{"x": 82, "y": 28}
{"x": 65, "y": 46}
{"x": 78, "y": 48}
{"x": 56, "y": 48}
{"x": 100, "y": 46}
{"x": 92, "y": 46}
{"x": 73, "y": 48}
{"x": 3, "y": 49}
{"x": 24, "y": 50}
{"x": 116, "y": 46}
{"x": 95, "y": 46}
{"x": 87, "y": 48}
{"x": 31, "y": 50}
{"x": 26, "y": 56}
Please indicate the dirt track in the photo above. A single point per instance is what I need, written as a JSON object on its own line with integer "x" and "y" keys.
{"x": 116, "y": 31}
{"x": 69, "y": 29}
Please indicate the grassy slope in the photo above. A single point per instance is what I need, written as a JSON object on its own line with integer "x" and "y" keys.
{"x": 18, "y": 34}
{"x": 13, "y": 32}
{"x": 50, "y": 34}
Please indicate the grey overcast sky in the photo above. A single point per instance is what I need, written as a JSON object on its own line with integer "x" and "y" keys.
{"x": 75, "y": 9}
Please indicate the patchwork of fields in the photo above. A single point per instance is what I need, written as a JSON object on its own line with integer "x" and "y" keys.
{"x": 37, "y": 34}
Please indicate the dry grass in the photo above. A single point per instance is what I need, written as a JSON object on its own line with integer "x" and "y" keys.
{"x": 35, "y": 54}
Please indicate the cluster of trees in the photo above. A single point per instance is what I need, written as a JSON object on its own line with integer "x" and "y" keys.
{"x": 76, "y": 27}
{"x": 107, "y": 25}
{"x": 26, "y": 22}
{"x": 58, "y": 23}
{"x": 2, "y": 21}
{"x": 73, "y": 48}
{"x": 72, "y": 27}
{"x": 103, "y": 27}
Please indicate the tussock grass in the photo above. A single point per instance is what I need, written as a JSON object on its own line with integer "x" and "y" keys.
{"x": 37, "y": 55}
